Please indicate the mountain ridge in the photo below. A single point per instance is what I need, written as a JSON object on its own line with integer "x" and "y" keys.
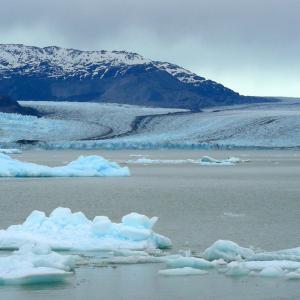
{"x": 55, "y": 73}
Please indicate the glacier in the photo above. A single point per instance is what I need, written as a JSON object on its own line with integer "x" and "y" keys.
{"x": 84, "y": 166}
{"x": 64, "y": 230}
{"x": 33, "y": 264}
{"x": 115, "y": 126}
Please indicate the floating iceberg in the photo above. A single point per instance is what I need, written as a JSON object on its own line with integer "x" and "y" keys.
{"x": 182, "y": 271}
{"x": 227, "y": 250}
{"x": 244, "y": 261}
{"x": 146, "y": 161}
{"x": 10, "y": 151}
{"x": 35, "y": 264}
{"x": 64, "y": 230}
{"x": 191, "y": 262}
{"x": 84, "y": 166}
{"x": 204, "y": 161}
{"x": 209, "y": 161}
{"x": 231, "y": 259}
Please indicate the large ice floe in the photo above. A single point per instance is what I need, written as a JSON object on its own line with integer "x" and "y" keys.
{"x": 64, "y": 230}
{"x": 35, "y": 264}
{"x": 231, "y": 259}
{"x": 84, "y": 166}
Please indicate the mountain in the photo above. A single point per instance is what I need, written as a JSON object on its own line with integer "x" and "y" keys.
{"x": 8, "y": 105}
{"x": 54, "y": 73}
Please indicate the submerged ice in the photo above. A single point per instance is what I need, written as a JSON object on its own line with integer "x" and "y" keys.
{"x": 84, "y": 166}
{"x": 64, "y": 230}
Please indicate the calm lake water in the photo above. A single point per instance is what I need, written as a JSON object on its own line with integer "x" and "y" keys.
{"x": 254, "y": 204}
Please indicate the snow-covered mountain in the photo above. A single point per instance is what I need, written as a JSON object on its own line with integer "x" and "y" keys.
{"x": 54, "y": 73}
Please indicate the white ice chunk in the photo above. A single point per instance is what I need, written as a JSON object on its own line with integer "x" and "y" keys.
{"x": 64, "y": 230}
{"x": 236, "y": 269}
{"x": 271, "y": 271}
{"x": 283, "y": 264}
{"x": 226, "y": 250}
{"x": 293, "y": 275}
{"x": 285, "y": 254}
{"x": 182, "y": 272}
{"x": 35, "y": 264}
{"x": 139, "y": 221}
{"x": 192, "y": 262}
{"x": 209, "y": 161}
{"x": 84, "y": 166}
{"x": 10, "y": 151}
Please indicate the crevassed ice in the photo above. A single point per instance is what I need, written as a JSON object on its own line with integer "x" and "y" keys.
{"x": 84, "y": 166}
{"x": 64, "y": 230}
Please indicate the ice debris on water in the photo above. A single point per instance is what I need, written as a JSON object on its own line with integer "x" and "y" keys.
{"x": 231, "y": 259}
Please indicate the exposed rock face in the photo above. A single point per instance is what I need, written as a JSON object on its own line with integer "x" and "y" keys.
{"x": 53, "y": 73}
{"x": 8, "y": 105}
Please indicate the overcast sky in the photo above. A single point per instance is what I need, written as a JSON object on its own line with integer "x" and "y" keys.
{"x": 252, "y": 46}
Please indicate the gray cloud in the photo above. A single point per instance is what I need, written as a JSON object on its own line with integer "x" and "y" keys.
{"x": 251, "y": 46}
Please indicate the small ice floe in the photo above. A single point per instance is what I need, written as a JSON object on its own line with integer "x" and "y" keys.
{"x": 227, "y": 250}
{"x": 139, "y": 155}
{"x": 64, "y": 230}
{"x": 84, "y": 166}
{"x": 209, "y": 161}
{"x": 35, "y": 264}
{"x": 148, "y": 161}
{"x": 233, "y": 215}
{"x": 293, "y": 275}
{"x": 10, "y": 151}
{"x": 192, "y": 262}
{"x": 182, "y": 272}
{"x": 132, "y": 257}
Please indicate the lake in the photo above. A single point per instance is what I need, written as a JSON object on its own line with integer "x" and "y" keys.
{"x": 254, "y": 204}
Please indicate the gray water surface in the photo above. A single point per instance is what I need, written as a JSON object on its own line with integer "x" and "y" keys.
{"x": 254, "y": 204}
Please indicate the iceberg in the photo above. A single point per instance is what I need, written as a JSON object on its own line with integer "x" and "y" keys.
{"x": 244, "y": 261}
{"x": 227, "y": 250}
{"x": 191, "y": 262}
{"x": 182, "y": 271}
{"x": 204, "y": 161}
{"x": 209, "y": 161}
{"x": 35, "y": 264}
{"x": 84, "y": 166}
{"x": 146, "y": 161}
{"x": 10, "y": 151}
{"x": 64, "y": 230}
